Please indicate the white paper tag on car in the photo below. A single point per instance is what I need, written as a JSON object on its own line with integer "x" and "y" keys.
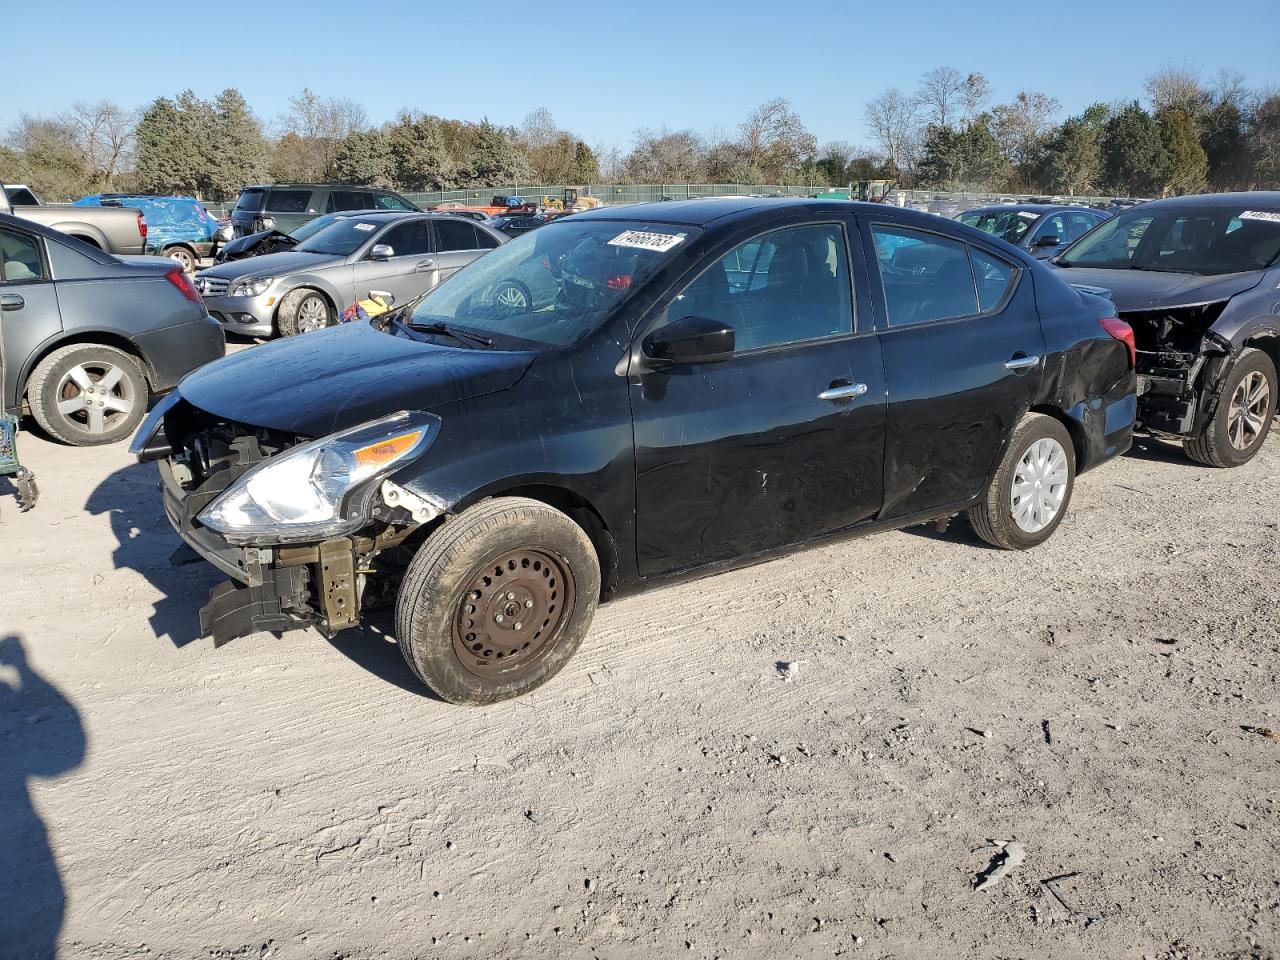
{"x": 643, "y": 240}
{"x": 365, "y": 227}
{"x": 1270, "y": 215}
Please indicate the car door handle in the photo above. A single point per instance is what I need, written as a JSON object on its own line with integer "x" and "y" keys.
{"x": 1022, "y": 362}
{"x": 11, "y": 301}
{"x": 843, "y": 391}
{"x": 425, "y": 264}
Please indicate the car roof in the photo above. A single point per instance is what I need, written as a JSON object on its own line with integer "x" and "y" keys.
{"x": 331, "y": 186}
{"x": 1266, "y": 199}
{"x": 1041, "y": 208}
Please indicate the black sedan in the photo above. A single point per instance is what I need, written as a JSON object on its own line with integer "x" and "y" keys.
{"x": 516, "y": 225}
{"x": 87, "y": 338}
{"x": 714, "y": 382}
{"x": 1042, "y": 229}
{"x": 1196, "y": 278}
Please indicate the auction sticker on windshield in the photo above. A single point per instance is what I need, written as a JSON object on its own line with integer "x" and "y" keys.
{"x": 366, "y": 227}
{"x": 643, "y": 240}
{"x": 1269, "y": 215}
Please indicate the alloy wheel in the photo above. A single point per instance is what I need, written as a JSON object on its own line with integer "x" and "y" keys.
{"x": 1039, "y": 485}
{"x": 313, "y": 314}
{"x": 1246, "y": 418}
{"x": 95, "y": 396}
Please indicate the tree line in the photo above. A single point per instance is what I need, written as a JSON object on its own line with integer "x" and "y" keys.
{"x": 1185, "y": 134}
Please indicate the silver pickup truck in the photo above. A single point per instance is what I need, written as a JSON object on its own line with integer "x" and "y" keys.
{"x": 113, "y": 229}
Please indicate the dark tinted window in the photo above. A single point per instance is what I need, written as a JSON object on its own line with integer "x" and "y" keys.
{"x": 786, "y": 286}
{"x": 926, "y": 277}
{"x": 484, "y": 241}
{"x": 23, "y": 197}
{"x": 350, "y": 200}
{"x": 995, "y": 277}
{"x": 289, "y": 201}
{"x": 250, "y": 200}
{"x": 20, "y": 256}
{"x": 389, "y": 201}
{"x": 408, "y": 239}
{"x": 455, "y": 235}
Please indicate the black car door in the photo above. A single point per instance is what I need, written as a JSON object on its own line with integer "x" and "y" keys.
{"x": 782, "y": 441}
{"x": 962, "y": 356}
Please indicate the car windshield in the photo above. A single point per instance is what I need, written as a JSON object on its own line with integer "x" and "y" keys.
{"x": 312, "y": 227}
{"x": 551, "y": 286}
{"x": 1208, "y": 240}
{"x": 1010, "y": 225}
{"x": 339, "y": 239}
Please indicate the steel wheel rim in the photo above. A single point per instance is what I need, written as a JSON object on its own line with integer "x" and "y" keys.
{"x": 95, "y": 396}
{"x": 312, "y": 315}
{"x": 511, "y": 613}
{"x": 1248, "y": 413}
{"x": 1039, "y": 485}
{"x": 511, "y": 297}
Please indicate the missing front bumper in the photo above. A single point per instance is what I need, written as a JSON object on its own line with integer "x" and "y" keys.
{"x": 237, "y": 610}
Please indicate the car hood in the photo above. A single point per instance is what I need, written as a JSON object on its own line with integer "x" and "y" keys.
{"x": 272, "y": 265}
{"x": 240, "y": 244}
{"x": 317, "y": 383}
{"x": 1133, "y": 290}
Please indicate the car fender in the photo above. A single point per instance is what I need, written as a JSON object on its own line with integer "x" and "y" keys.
{"x": 101, "y": 335}
{"x": 314, "y": 281}
{"x": 84, "y": 231}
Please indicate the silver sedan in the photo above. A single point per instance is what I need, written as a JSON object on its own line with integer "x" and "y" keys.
{"x": 306, "y": 288}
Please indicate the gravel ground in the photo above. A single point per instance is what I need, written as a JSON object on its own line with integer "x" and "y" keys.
{"x": 671, "y": 793}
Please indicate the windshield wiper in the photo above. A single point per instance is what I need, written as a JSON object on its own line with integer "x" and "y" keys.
{"x": 1139, "y": 266}
{"x": 462, "y": 336}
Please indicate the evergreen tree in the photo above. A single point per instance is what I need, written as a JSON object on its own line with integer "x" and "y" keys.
{"x": 240, "y": 154}
{"x": 586, "y": 168}
{"x": 1134, "y": 158}
{"x": 495, "y": 160}
{"x": 419, "y": 160}
{"x": 1188, "y": 166}
{"x": 366, "y": 157}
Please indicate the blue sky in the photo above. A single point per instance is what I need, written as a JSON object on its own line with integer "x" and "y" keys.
{"x": 605, "y": 70}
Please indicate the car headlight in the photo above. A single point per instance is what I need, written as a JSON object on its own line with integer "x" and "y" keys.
{"x": 320, "y": 489}
{"x": 252, "y": 287}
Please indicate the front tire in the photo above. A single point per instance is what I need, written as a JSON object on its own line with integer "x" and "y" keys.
{"x": 302, "y": 311}
{"x": 87, "y": 394}
{"x": 1032, "y": 488}
{"x": 1243, "y": 416}
{"x": 497, "y": 600}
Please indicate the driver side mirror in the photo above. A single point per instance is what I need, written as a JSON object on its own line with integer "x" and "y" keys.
{"x": 1048, "y": 240}
{"x": 382, "y": 251}
{"x": 689, "y": 340}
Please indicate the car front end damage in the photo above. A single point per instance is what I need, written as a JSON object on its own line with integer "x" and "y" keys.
{"x": 288, "y": 570}
{"x": 1181, "y": 361}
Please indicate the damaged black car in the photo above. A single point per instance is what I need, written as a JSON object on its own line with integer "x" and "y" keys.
{"x": 627, "y": 397}
{"x": 1198, "y": 280}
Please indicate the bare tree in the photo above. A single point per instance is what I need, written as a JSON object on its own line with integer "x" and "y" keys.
{"x": 1022, "y": 126}
{"x": 774, "y": 141}
{"x": 942, "y": 95}
{"x": 974, "y": 96}
{"x": 312, "y": 129}
{"x": 666, "y": 156}
{"x": 894, "y": 119}
{"x": 104, "y": 135}
{"x": 1176, "y": 87}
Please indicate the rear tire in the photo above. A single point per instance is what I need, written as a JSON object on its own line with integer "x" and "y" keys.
{"x": 88, "y": 394}
{"x": 184, "y": 257}
{"x": 1243, "y": 415}
{"x": 1031, "y": 491}
{"x": 302, "y": 311}
{"x": 497, "y": 600}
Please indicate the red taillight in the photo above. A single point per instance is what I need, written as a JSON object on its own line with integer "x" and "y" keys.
{"x": 178, "y": 277}
{"x": 1124, "y": 333}
{"x": 142, "y": 227}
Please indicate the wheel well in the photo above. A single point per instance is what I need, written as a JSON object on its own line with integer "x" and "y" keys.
{"x": 86, "y": 239}
{"x": 1073, "y": 428}
{"x": 90, "y": 337}
{"x": 1269, "y": 344}
{"x": 586, "y": 516}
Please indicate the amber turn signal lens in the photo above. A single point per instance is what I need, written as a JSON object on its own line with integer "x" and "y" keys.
{"x": 383, "y": 451}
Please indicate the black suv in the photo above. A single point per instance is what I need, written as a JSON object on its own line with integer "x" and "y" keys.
{"x": 629, "y": 396}
{"x": 287, "y": 206}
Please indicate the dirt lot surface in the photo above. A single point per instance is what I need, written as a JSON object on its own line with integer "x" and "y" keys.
{"x": 670, "y": 794}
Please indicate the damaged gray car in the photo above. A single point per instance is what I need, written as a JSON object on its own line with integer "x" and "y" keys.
{"x": 1198, "y": 279}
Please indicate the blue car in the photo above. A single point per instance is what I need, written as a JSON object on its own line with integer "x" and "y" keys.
{"x": 177, "y": 227}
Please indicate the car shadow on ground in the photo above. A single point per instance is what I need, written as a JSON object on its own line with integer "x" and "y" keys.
{"x": 958, "y": 531}
{"x": 145, "y": 541}
{"x": 42, "y": 736}
{"x": 373, "y": 647}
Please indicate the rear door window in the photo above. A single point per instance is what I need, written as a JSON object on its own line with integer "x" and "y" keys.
{"x": 995, "y": 278}
{"x": 20, "y": 257}
{"x": 456, "y": 235}
{"x": 289, "y": 201}
{"x": 926, "y": 277}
